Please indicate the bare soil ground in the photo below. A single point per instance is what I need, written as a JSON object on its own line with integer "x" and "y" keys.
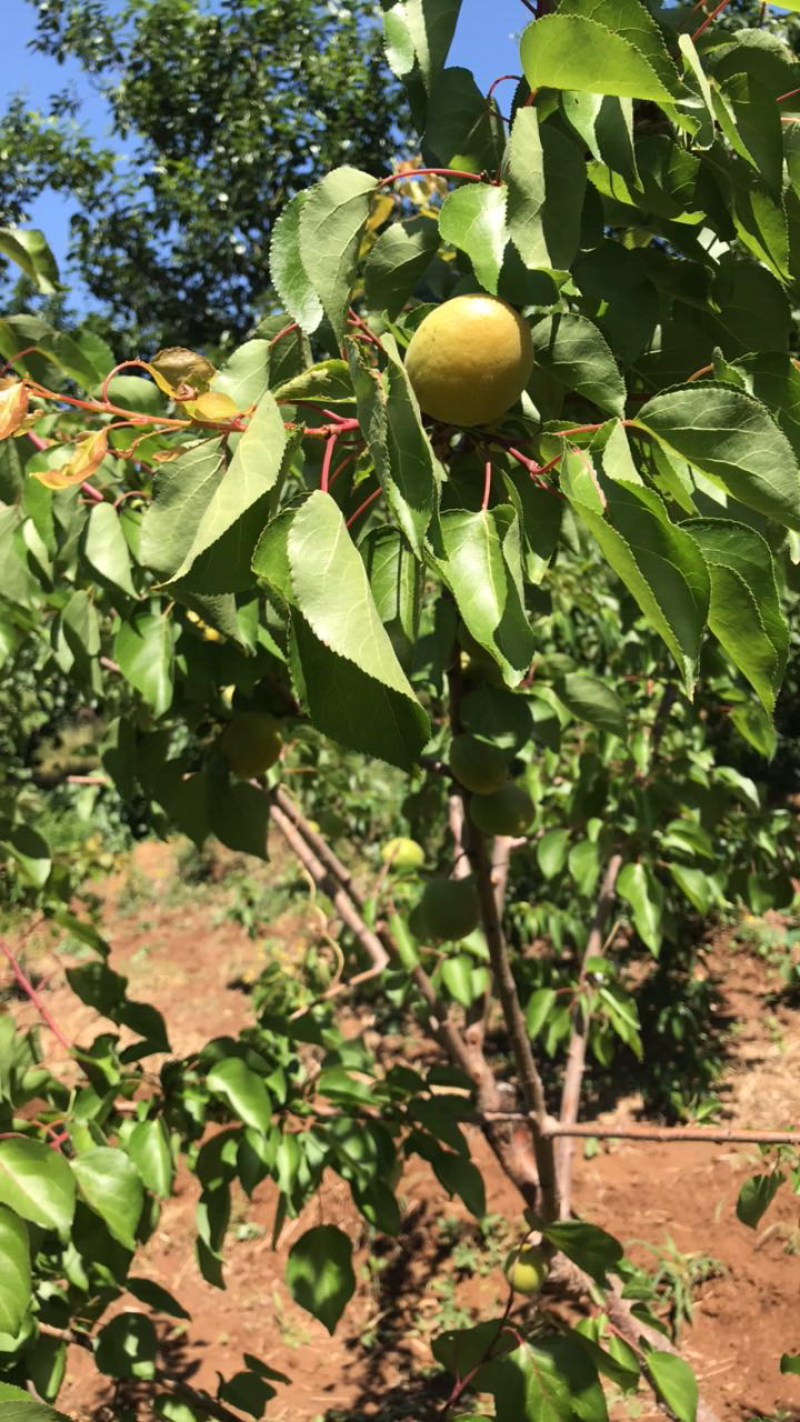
{"x": 183, "y": 955}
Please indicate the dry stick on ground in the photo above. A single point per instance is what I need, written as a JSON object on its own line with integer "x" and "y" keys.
{"x": 576, "y": 1056}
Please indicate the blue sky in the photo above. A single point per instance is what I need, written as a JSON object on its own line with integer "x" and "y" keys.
{"x": 485, "y": 43}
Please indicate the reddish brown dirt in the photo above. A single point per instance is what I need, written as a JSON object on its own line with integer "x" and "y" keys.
{"x": 185, "y": 961}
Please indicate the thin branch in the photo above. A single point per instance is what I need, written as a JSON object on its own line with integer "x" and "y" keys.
{"x": 576, "y": 1056}
{"x": 530, "y": 1081}
{"x": 668, "y": 1135}
{"x": 707, "y": 21}
{"x": 30, "y": 992}
{"x": 340, "y": 899}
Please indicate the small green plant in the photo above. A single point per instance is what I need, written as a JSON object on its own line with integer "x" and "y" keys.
{"x": 676, "y": 1278}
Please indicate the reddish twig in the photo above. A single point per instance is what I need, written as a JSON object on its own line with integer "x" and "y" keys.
{"x": 501, "y": 80}
{"x": 287, "y": 330}
{"x": 92, "y": 493}
{"x": 707, "y": 21}
{"x": 370, "y": 500}
{"x": 30, "y": 992}
{"x": 29, "y": 350}
{"x": 355, "y": 320}
{"x": 433, "y": 172}
{"x": 130, "y": 494}
{"x": 338, "y": 470}
{"x": 124, "y": 365}
{"x": 326, "y": 463}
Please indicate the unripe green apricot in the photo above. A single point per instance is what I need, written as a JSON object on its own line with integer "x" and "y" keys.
{"x": 509, "y": 810}
{"x": 526, "y": 1269}
{"x": 470, "y": 360}
{"x": 403, "y": 854}
{"x": 252, "y": 742}
{"x": 477, "y": 764}
{"x": 448, "y": 909}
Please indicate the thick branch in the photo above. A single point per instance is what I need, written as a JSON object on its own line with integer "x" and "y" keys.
{"x": 576, "y": 1056}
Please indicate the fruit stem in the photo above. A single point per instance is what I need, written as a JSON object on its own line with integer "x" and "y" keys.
{"x": 355, "y": 320}
{"x": 487, "y": 485}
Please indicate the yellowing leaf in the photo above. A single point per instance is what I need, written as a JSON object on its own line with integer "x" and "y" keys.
{"x": 87, "y": 458}
{"x": 213, "y": 406}
{"x": 177, "y": 369}
{"x": 13, "y": 408}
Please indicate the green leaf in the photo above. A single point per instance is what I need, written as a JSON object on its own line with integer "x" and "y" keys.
{"x": 287, "y": 271}
{"x": 15, "y": 1276}
{"x": 244, "y": 1090}
{"x": 183, "y": 491}
{"x": 659, "y": 563}
{"x": 356, "y": 689}
{"x": 19, "y": 1406}
{"x": 127, "y": 1347}
{"x": 397, "y": 263}
{"x": 36, "y": 1182}
{"x": 109, "y": 1183}
{"x": 675, "y": 1384}
{"x": 696, "y": 884}
{"x": 573, "y": 52}
{"x": 461, "y": 1177}
{"x": 326, "y": 383}
{"x": 105, "y": 548}
{"x": 253, "y": 471}
{"x": 395, "y": 579}
{"x": 332, "y": 221}
{"x": 745, "y": 612}
{"x": 634, "y": 23}
{"x": 605, "y": 123}
{"x": 405, "y": 464}
{"x": 477, "y": 555}
{"x": 584, "y": 865}
{"x": 790, "y": 1363}
{"x": 245, "y": 375}
{"x": 756, "y": 1196}
{"x": 588, "y": 1246}
{"x": 640, "y": 889}
{"x": 473, "y": 218}
{"x": 462, "y": 130}
{"x": 590, "y": 699}
{"x": 457, "y": 978}
{"x": 149, "y": 1148}
{"x": 239, "y": 816}
{"x": 144, "y": 649}
{"x": 573, "y": 350}
{"x": 29, "y": 850}
{"x": 540, "y": 1006}
{"x": 733, "y": 439}
{"x": 319, "y": 1273}
{"x": 551, "y": 852}
{"x": 46, "y": 1364}
{"x": 419, "y": 32}
{"x": 551, "y": 1380}
{"x": 27, "y": 246}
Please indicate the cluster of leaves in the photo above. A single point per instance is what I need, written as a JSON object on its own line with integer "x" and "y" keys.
{"x": 288, "y": 533}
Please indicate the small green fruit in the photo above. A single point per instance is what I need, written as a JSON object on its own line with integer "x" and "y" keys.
{"x": 470, "y": 360}
{"x": 477, "y": 764}
{"x": 403, "y": 854}
{"x": 448, "y": 909}
{"x": 509, "y": 810}
{"x": 526, "y": 1269}
{"x": 252, "y": 743}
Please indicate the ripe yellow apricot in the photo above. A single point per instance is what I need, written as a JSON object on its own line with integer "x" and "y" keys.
{"x": 470, "y": 360}
{"x": 403, "y": 854}
{"x": 526, "y": 1269}
{"x": 252, "y": 742}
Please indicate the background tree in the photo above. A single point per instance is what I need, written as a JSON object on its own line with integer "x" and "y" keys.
{"x": 222, "y": 117}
